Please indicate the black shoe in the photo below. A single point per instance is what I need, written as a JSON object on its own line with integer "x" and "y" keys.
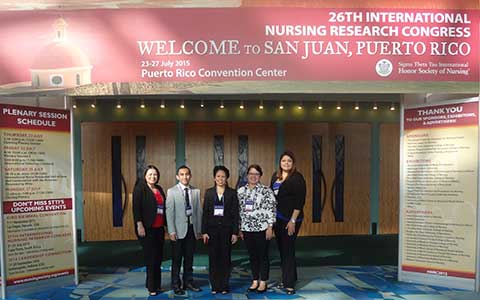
{"x": 253, "y": 289}
{"x": 224, "y": 292}
{"x": 152, "y": 293}
{"x": 259, "y": 291}
{"x": 250, "y": 289}
{"x": 192, "y": 287}
{"x": 280, "y": 285}
{"x": 290, "y": 291}
{"x": 178, "y": 291}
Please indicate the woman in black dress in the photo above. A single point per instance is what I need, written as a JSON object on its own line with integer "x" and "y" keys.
{"x": 220, "y": 229}
{"x": 149, "y": 218}
{"x": 289, "y": 188}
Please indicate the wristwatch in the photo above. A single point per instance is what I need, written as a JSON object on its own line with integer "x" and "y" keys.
{"x": 293, "y": 221}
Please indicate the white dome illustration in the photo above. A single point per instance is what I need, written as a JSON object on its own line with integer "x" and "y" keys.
{"x": 60, "y": 64}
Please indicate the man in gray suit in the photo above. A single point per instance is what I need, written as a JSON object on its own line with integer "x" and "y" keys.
{"x": 184, "y": 221}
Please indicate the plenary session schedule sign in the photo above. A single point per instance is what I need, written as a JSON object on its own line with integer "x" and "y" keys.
{"x": 439, "y": 188}
{"x": 36, "y": 193}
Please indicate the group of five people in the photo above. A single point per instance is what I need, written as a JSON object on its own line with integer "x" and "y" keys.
{"x": 255, "y": 213}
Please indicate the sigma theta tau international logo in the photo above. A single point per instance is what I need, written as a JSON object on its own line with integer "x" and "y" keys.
{"x": 384, "y": 67}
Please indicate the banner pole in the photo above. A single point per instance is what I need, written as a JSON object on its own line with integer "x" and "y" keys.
{"x": 72, "y": 187}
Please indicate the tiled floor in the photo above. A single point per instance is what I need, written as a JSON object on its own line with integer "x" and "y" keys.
{"x": 319, "y": 283}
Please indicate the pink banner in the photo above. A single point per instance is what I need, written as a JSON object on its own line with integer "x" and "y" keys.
{"x": 49, "y": 49}
{"x": 450, "y": 115}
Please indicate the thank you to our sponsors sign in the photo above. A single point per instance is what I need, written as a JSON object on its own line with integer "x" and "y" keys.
{"x": 439, "y": 190}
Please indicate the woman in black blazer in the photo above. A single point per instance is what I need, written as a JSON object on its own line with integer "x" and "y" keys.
{"x": 220, "y": 229}
{"x": 289, "y": 188}
{"x": 149, "y": 218}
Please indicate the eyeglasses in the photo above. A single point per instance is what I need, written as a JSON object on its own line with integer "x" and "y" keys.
{"x": 254, "y": 174}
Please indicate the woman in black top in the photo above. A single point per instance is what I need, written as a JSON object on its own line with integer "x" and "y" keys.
{"x": 220, "y": 229}
{"x": 149, "y": 218}
{"x": 289, "y": 188}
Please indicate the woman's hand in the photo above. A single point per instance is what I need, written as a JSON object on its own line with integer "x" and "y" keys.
{"x": 234, "y": 238}
{"x": 140, "y": 229}
{"x": 269, "y": 233}
{"x": 240, "y": 234}
{"x": 290, "y": 228}
{"x": 205, "y": 238}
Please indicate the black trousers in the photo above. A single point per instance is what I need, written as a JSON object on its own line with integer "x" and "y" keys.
{"x": 152, "y": 245}
{"x": 219, "y": 257}
{"x": 257, "y": 246}
{"x": 286, "y": 247}
{"x": 183, "y": 249}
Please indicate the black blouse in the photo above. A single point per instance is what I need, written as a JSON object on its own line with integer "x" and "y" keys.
{"x": 231, "y": 214}
{"x": 145, "y": 204}
{"x": 291, "y": 195}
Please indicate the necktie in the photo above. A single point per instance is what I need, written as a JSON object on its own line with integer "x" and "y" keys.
{"x": 187, "y": 202}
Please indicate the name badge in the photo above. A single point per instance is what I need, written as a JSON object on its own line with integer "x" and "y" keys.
{"x": 159, "y": 209}
{"x": 188, "y": 211}
{"x": 249, "y": 205}
{"x": 218, "y": 210}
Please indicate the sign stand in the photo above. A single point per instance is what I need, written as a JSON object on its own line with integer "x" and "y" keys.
{"x": 439, "y": 181}
{"x": 38, "y": 245}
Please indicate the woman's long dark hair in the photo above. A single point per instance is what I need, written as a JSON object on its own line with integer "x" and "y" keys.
{"x": 294, "y": 168}
{"x": 143, "y": 181}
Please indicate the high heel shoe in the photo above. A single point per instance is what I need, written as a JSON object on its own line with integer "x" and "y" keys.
{"x": 259, "y": 291}
{"x": 253, "y": 287}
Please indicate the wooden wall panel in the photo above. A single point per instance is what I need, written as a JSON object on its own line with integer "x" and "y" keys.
{"x": 97, "y": 170}
{"x": 97, "y": 178}
{"x": 357, "y": 176}
{"x": 389, "y": 178}
{"x": 261, "y": 147}
{"x": 298, "y": 138}
{"x": 199, "y": 137}
{"x": 160, "y": 149}
{"x": 96, "y": 156}
{"x": 199, "y": 149}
